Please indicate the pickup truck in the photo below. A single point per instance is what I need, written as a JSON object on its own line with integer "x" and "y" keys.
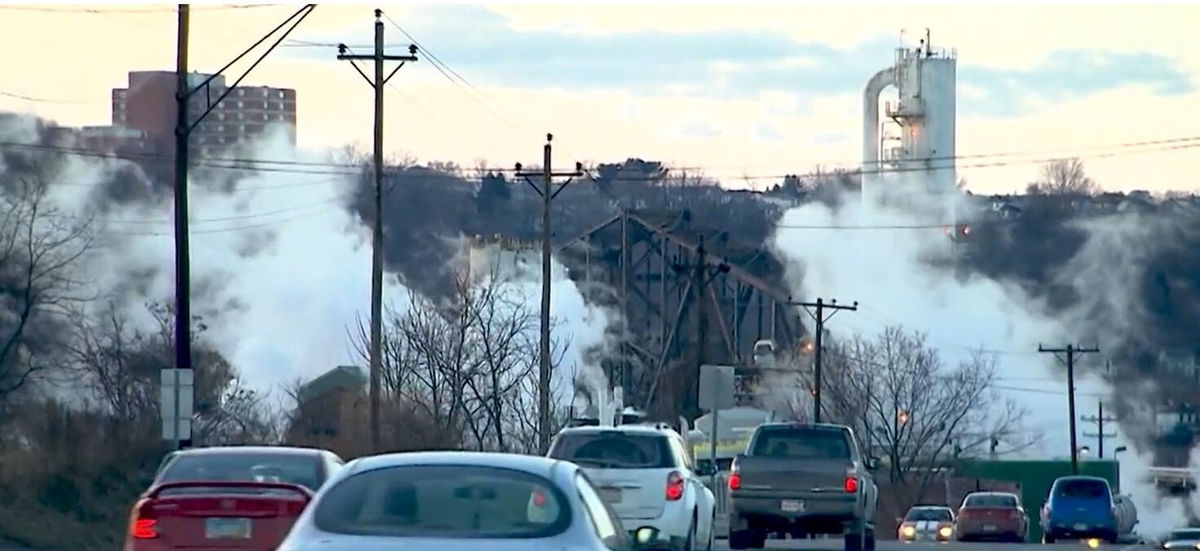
{"x": 802, "y": 479}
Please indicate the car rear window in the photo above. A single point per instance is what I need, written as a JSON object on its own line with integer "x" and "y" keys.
{"x": 245, "y": 467}
{"x": 802, "y": 443}
{"x": 614, "y": 450}
{"x": 990, "y": 500}
{"x": 444, "y": 501}
{"x": 918, "y": 515}
{"x": 1082, "y": 489}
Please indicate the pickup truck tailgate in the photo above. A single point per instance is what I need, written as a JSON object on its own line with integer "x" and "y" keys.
{"x": 788, "y": 475}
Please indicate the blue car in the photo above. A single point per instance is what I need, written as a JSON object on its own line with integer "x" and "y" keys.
{"x": 1079, "y": 507}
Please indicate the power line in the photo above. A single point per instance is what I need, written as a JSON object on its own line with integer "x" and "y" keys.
{"x": 98, "y": 11}
{"x": 43, "y": 100}
{"x": 232, "y": 163}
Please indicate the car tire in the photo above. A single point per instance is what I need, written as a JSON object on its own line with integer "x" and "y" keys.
{"x": 739, "y": 539}
{"x": 870, "y": 543}
{"x": 1047, "y": 538}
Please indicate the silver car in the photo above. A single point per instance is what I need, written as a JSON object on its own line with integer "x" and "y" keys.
{"x": 458, "y": 500}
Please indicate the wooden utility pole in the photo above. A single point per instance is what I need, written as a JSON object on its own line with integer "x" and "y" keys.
{"x": 818, "y": 313}
{"x": 1071, "y": 351}
{"x": 183, "y": 302}
{"x": 184, "y": 125}
{"x": 379, "y": 57}
{"x": 1099, "y": 419}
{"x": 547, "y": 191}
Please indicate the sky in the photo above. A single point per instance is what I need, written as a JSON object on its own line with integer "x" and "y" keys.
{"x": 745, "y": 93}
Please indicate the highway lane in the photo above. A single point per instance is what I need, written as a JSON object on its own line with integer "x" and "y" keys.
{"x": 892, "y": 545}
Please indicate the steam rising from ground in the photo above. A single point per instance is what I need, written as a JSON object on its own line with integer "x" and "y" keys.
{"x": 280, "y": 269}
{"x": 578, "y": 327}
{"x": 902, "y": 275}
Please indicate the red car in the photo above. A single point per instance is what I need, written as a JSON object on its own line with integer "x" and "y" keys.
{"x": 232, "y": 498}
{"x": 992, "y": 516}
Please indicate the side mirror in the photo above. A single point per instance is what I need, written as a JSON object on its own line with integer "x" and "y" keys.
{"x": 705, "y": 469}
{"x": 872, "y": 463}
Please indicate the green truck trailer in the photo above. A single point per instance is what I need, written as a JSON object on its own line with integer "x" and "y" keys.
{"x": 1035, "y": 478}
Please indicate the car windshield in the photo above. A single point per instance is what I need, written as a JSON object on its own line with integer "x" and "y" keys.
{"x": 802, "y": 443}
{"x": 1082, "y": 489}
{"x": 614, "y": 450}
{"x": 923, "y": 514}
{"x": 991, "y": 500}
{"x": 444, "y": 501}
{"x": 244, "y": 467}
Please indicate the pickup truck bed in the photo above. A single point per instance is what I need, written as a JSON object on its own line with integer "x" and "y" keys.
{"x": 799, "y": 480}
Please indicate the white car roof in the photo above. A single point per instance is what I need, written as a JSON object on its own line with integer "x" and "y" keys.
{"x": 532, "y": 464}
{"x": 629, "y": 429}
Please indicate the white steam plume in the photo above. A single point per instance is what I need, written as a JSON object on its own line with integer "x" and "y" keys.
{"x": 905, "y": 275}
{"x": 578, "y": 326}
{"x": 280, "y": 268}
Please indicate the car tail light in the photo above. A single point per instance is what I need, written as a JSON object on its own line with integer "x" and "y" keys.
{"x": 735, "y": 481}
{"x": 674, "y": 486}
{"x": 539, "y": 498}
{"x": 142, "y": 522}
{"x": 1014, "y": 514}
{"x": 850, "y": 485}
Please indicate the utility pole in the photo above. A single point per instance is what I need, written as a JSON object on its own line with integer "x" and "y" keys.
{"x": 1099, "y": 419}
{"x": 818, "y": 313}
{"x": 1071, "y": 351}
{"x": 184, "y": 125}
{"x": 377, "y": 231}
{"x": 183, "y": 302}
{"x": 548, "y": 193}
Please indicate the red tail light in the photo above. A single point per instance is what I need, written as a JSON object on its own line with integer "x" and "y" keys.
{"x": 539, "y": 498}
{"x": 851, "y": 485}
{"x": 142, "y": 524}
{"x": 1014, "y": 514}
{"x": 674, "y": 486}
{"x": 735, "y": 481}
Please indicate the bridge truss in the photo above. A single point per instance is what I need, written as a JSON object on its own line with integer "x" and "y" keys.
{"x": 687, "y": 295}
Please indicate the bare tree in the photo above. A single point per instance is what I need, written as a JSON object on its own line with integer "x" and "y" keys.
{"x": 1063, "y": 177}
{"x": 40, "y": 246}
{"x": 906, "y": 405}
{"x": 468, "y": 363}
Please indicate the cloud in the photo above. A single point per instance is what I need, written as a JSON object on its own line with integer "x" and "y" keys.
{"x": 768, "y": 133}
{"x": 700, "y": 130}
{"x": 1067, "y": 75}
{"x": 486, "y": 47}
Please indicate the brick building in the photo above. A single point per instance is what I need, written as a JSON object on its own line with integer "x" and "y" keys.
{"x": 331, "y": 410}
{"x": 147, "y": 105}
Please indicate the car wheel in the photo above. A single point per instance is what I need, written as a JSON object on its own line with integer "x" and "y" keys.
{"x": 870, "y": 543}
{"x": 1047, "y": 538}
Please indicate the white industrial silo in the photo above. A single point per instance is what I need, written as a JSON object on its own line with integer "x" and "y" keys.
{"x": 920, "y": 158}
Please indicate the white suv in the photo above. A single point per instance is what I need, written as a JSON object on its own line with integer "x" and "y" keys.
{"x": 646, "y": 475}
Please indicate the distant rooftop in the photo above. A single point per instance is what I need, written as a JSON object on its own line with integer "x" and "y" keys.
{"x": 343, "y": 377}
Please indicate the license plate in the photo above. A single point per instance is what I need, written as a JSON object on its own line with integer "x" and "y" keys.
{"x": 791, "y": 506}
{"x": 611, "y": 495}
{"x": 989, "y": 528}
{"x": 227, "y": 528}
{"x": 1081, "y": 526}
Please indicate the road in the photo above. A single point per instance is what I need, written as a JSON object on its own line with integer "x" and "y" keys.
{"x": 835, "y": 545}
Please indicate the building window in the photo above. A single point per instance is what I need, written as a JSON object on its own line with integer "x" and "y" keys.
{"x": 266, "y": 117}
{"x": 220, "y": 116}
{"x": 241, "y": 116}
{"x": 241, "y": 92}
{"x": 279, "y": 105}
{"x": 281, "y": 93}
{"x": 242, "y": 128}
{"x": 266, "y": 105}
